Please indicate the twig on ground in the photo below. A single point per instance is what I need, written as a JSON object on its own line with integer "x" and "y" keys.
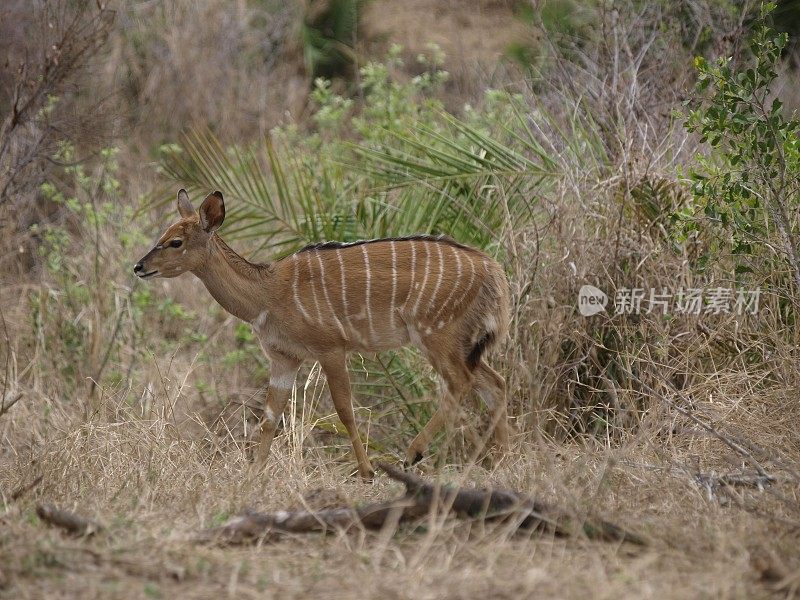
{"x": 24, "y": 489}
{"x": 69, "y": 521}
{"x": 11, "y": 402}
{"x": 252, "y": 526}
{"x": 725, "y": 439}
{"x": 712, "y": 481}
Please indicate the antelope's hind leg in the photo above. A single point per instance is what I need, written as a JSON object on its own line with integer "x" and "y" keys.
{"x": 491, "y": 387}
{"x": 456, "y": 382}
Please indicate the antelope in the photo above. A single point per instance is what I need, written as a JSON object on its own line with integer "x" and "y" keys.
{"x": 333, "y": 298}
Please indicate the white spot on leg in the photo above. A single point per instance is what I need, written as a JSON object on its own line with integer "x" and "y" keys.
{"x": 284, "y": 381}
{"x": 487, "y": 397}
{"x": 260, "y": 319}
{"x": 444, "y": 389}
{"x": 269, "y": 415}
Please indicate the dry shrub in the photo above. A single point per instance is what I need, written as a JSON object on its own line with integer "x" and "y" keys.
{"x": 475, "y": 40}
{"x": 608, "y": 223}
{"x": 49, "y": 50}
{"x": 235, "y": 67}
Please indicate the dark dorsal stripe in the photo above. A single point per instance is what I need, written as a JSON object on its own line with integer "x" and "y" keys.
{"x": 423, "y": 237}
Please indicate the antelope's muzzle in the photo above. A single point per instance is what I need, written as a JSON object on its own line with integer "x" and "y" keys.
{"x": 141, "y": 270}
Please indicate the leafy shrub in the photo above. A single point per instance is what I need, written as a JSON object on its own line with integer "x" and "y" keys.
{"x": 746, "y": 188}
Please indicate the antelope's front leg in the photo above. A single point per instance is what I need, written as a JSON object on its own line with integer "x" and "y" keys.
{"x": 335, "y": 368}
{"x": 283, "y": 370}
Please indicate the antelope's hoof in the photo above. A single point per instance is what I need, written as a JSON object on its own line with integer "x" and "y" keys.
{"x": 367, "y": 476}
{"x": 410, "y": 462}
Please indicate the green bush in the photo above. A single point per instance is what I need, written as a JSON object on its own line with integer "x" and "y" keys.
{"x": 746, "y": 188}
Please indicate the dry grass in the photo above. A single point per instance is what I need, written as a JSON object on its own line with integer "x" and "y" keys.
{"x": 155, "y": 482}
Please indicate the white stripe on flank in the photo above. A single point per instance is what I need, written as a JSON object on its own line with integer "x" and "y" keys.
{"x": 411, "y": 280}
{"x": 327, "y": 297}
{"x": 344, "y": 283}
{"x": 345, "y": 309}
{"x": 432, "y": 301}
{"x": 453, "y": 288}
{"x": 295, "y": 289}
{"x": 369, "y": 277}
{"x": 394, "y": 284}
{"x": 313, "y": 287}
{"x": 424, "y": 279}
{"x": 471, "y": 279}
{"x": 284, "y": 381}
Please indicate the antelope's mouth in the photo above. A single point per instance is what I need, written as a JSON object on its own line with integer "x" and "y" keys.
{"x": 148, "y": 275}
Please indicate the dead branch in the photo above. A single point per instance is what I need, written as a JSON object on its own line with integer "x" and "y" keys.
{"x": 485, "y": 504}
{"x": 725, "y": 439}
{"x": 419, "y": 500}
{"x": 526, "y": 512}
{"x": 69, "y": 40}
{"x": 24, "y": 489}
{"x": 4, "y": 406}
{"x": 754, "y": 480}
{"x": 72, "y": 523}
{"x": 252, "y": 526}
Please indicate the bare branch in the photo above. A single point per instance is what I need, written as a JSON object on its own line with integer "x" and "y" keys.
{"x": 72, "y": 523}
{"x": 24, "y": 489}
{"x": 5, "y": 405}
{"x": 420, "y": 499}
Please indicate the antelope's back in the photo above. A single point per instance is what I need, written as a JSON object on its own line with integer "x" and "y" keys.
{"x": 375, "y": 291}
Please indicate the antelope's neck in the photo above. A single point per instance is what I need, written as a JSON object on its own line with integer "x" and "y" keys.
{"x": 238, "y": 285}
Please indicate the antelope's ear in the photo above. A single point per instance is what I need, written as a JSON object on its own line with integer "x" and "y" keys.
{"x": 185, "y": 205}
{"x": 212, "y": 212}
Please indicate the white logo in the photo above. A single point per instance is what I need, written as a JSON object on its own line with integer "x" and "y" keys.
{"x": 591, "y": 300}
{"x": 686, "y": 301}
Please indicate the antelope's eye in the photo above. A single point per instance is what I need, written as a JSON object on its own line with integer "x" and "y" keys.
{"x": 175, "y": 243}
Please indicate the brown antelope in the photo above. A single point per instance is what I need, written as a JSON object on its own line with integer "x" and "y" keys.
{"x": 332, "y": 298}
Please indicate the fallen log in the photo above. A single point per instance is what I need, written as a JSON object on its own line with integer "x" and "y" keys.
{"x": 255, "y": 526}
{"x": 419, "y": 500}
{"x": 72, "y": 523}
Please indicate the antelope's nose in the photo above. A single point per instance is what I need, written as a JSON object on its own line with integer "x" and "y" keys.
{"x": 138, "y": 267}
